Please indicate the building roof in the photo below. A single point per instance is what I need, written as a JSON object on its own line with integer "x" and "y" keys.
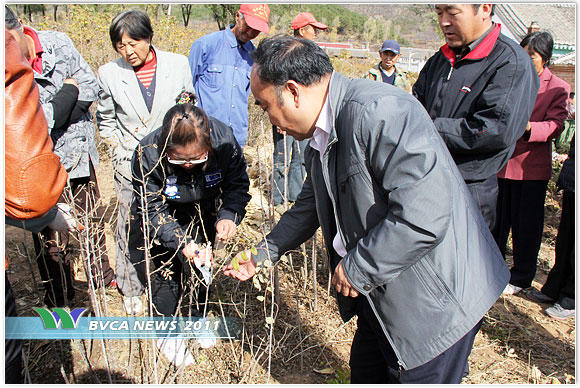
{"x": 568, "y": 59}
{"x": 558, "y": 19}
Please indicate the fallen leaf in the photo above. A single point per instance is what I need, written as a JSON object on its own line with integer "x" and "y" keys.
{"x": 269, "y": 320}
{"x": 555, "y": 381}
{"x": 260, "y": 298}
{"x": 325, "y": 371}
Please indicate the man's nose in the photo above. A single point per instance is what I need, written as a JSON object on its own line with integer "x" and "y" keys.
{"x": 444, "y": 20}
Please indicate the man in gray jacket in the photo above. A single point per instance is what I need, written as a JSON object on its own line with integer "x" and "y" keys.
{"x": 410, "y": 252}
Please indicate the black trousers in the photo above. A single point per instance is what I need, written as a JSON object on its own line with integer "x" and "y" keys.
{"x": 561, "y": 280}
{"x": 521, "y": 209}
{"x": 12, "y": 347}
{"x": 172, "y": 280}
{"x": 373, "y": 361}
{"x": 485, "y": 194}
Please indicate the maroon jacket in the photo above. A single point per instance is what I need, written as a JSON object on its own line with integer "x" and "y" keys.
{"x": 532, "y": 158}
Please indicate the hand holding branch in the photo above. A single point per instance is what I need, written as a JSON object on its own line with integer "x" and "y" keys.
{"x": 239, "y": 268}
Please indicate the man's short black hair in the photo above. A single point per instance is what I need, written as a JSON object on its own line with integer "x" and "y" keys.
{"x": 134, "y": 23}
{"x": 476, "y": 8}
{"x": 10, "y": 20}
{"x": 541, "y": 42}
{"x": 282, "y": 58}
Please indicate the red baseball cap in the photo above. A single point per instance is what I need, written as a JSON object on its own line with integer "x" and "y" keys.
{"x": 306, "y": 18}
{"x": 257, "y": 16}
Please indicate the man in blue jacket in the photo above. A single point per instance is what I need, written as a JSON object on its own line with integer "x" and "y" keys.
{"x": 479, "y": 89}
{"x": 220, "y": 65}
{"x": 410, "y": 253}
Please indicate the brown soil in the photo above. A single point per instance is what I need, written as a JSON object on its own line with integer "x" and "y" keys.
{"x": 518, "y": 343}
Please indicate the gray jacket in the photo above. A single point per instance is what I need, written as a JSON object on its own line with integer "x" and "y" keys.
{"x": 418, "y": 247}
{"x": 122, "y": 115}
{"x": 61, "y": 60}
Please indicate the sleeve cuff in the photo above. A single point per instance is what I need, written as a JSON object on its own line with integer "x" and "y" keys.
{"x": 355, "y": 277}
{"x": 266, "y": 251}
{"x": 225, "y": 214}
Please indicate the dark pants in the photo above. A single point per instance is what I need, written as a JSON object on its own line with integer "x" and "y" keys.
{"x": 561, "y": 280}
{"x": 170, "y": 285}
{"x": 53, "y": 249}
{"x": 373, "y": 361}
{"x": 289, "y": 150}
{"x": 485, "y": 194}
{"x": 12, "y": 347}
{"x": 171, "y": 278}
{"x": 521, "y": 209}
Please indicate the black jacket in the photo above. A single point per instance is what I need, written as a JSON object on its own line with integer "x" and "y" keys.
{"x": 481, "y": 103}
{"x": 210, "y": 192}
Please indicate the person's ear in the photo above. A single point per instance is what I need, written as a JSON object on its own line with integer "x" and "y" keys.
{"x": 294, "y": 88}
{"x": 486, "y": 10}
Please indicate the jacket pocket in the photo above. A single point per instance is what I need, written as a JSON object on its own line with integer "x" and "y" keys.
{"x": 214, "y": 77}
{"x": 434, "y": 284}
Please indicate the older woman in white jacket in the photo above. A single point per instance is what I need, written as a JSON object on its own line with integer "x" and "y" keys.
{"x": 136, "y": 91}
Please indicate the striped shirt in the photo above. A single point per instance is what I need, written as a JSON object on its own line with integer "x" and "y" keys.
{"x": 146, "y": 72}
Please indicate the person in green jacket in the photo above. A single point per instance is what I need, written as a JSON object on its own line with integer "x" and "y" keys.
{"x": 386, "y": 71}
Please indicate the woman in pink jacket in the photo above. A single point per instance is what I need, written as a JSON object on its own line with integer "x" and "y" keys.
{"x": 524, "y": 180}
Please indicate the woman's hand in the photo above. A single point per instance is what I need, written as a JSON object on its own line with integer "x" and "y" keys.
{"x": 225, "y": 229}
{"x": 200, "y": 257}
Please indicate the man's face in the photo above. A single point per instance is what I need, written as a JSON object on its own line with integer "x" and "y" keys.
{"x": 286, "y": 111}
{"x": 389, "y": 59}
{"x": 308, "y": 32}
{"x": 242, "y": 31}
{"x": 461, "y": 24}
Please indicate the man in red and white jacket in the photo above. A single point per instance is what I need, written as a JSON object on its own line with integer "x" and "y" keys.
{"x": 479, "y": 89}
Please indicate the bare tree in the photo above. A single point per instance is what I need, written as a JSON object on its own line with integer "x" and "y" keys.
{"x": 223, "y": 14}
{"x": 186, "y": 13}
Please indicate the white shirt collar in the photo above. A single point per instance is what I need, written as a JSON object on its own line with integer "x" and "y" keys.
{"x": 323, "y": 127}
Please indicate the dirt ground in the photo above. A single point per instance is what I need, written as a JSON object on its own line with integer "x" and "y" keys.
{"x": 308, "y": 343}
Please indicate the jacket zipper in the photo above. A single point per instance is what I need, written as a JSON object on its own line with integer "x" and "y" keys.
{"x": 399, "y": 362}
{"x": 450, "y": 72}
{"x": 328, "y": 188}
{"x": 439, "y": 101}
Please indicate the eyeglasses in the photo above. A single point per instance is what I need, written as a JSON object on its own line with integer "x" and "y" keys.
{"x": 199, "y": 160}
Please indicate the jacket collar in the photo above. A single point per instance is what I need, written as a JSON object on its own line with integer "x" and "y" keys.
{"x": 336, "y": 90}
{"x": 481, "y": 51}
{"x": 546, "y": 75}
{"x": 545, "y": 79}
{"x": 378, "y": 68}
